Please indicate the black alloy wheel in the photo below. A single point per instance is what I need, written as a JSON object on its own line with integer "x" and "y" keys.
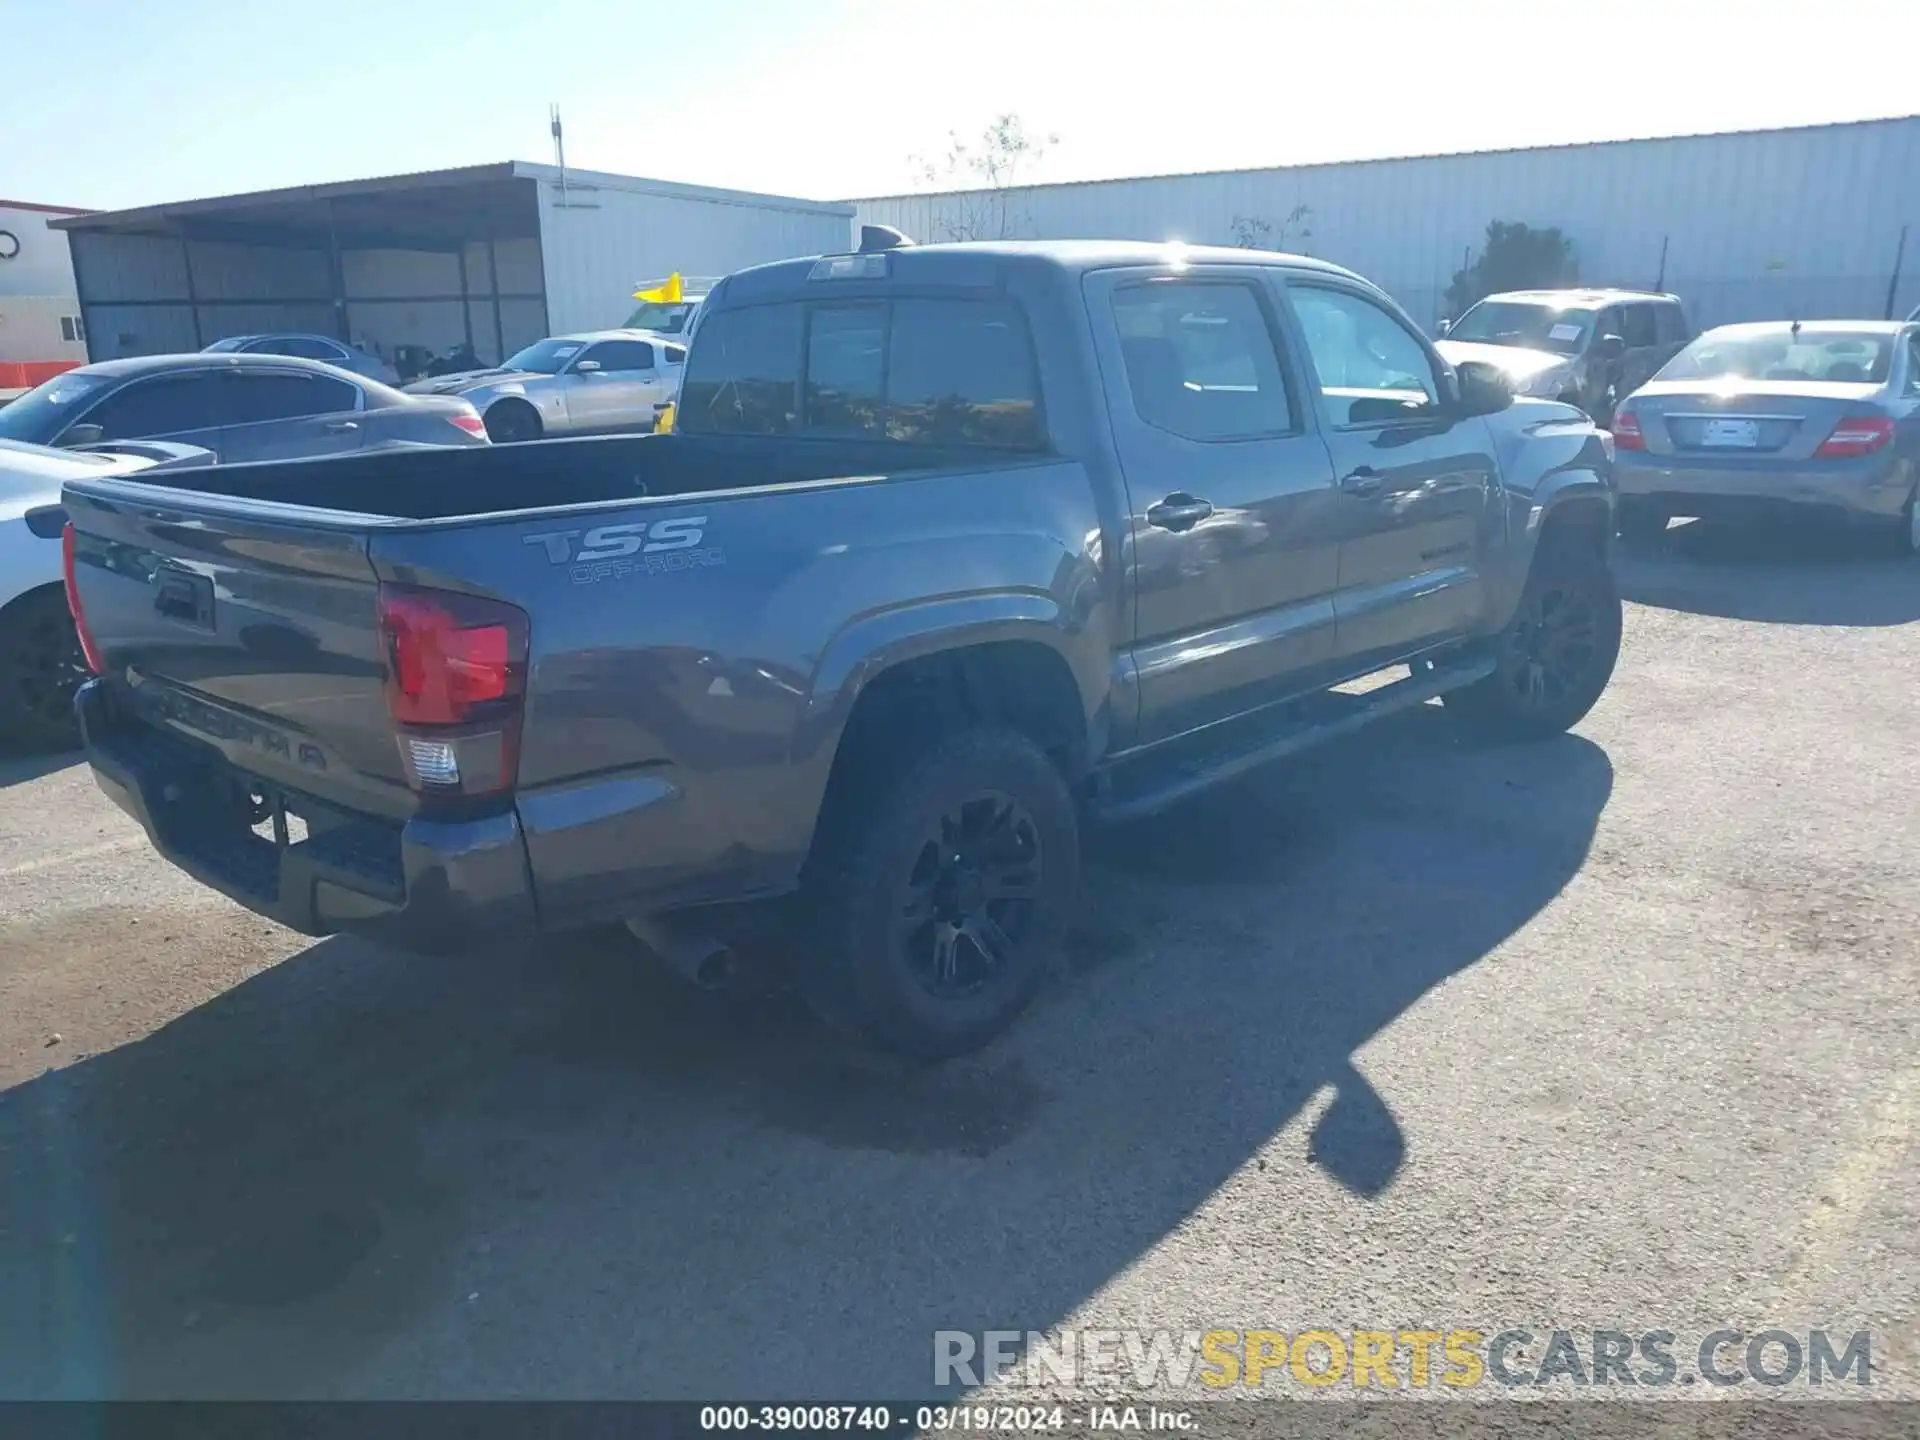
{"x": 968, "y": 900}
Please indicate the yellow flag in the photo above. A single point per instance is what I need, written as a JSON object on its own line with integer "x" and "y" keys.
{"x": 667, "y": 294}
{"x": 663, "y": 422}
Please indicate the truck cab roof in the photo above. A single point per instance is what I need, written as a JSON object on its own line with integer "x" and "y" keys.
{"x": 984, "y": 263}
{"x": 1585, "y": 297}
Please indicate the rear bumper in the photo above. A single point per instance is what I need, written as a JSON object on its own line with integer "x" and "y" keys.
{"x": 1871, "y": 489}
{"x": 423, "y": 885}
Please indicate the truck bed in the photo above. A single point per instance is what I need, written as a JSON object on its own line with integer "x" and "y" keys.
{"x": 467, "y": 481}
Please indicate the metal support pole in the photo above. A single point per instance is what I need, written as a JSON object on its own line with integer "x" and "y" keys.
{"x": 193, "y": 297}
{"x": 493, "y": 285}
{"x": 1893, "y": 281}
{"x": 336, "y": 280}
{"x": 466, "y": 304}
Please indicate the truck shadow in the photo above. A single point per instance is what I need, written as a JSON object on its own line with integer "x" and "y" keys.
{"x": 558, "y": 1172}
{"x": 1775, "y": 574}
{"x": 17, "y": 766}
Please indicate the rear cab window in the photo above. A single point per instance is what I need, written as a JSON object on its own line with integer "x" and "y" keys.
{"x": 918, "y": 369}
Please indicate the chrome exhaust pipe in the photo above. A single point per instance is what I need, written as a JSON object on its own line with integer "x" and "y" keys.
{"x": 704, "y": 961}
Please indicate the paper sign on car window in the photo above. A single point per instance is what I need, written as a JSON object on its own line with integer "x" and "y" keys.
{"x": 1564, "y": 332}
{"x": 562, "y": 352}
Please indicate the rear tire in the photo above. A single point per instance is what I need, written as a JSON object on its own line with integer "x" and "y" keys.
{"x": 512, "y": 421}
{"x": 41, "y": 665}
{"x": 940, "y": 893}
{"x": 1556, "y": 654}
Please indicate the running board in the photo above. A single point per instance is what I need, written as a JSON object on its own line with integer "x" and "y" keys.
{"x": 1295, "y": 726}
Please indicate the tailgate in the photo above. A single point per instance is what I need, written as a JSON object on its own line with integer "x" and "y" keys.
{"x": 258, "y": 635}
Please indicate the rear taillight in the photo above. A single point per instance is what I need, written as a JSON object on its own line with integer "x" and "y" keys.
{"x": 472, "y": 424}
{"x": 1627, "y": 434}
{"x": 68, "y": 540}
{"x": 456, "y": 670}
{"x": 1856, "y": 435}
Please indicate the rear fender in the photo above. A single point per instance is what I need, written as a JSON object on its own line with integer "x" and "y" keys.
{"x": 874, "y": 644}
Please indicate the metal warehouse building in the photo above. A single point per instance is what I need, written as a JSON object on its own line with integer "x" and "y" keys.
{"x": 495, "y": 255}
{"x": 1797, "y": 223}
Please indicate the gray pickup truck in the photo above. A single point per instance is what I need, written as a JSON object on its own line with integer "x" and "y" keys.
{"x": 957, "y": 548}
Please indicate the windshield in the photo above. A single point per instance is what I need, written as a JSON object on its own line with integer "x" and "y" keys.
{"x": 1525, "y": 324}
{"x": 545, "y": 357}
{"x": 667, "y": 319}
{"x": 47, "y": 409}
{"x": 1858, "y": 357}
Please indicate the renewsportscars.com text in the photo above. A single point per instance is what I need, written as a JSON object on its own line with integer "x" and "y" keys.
{"x": 1399, "y": 1359}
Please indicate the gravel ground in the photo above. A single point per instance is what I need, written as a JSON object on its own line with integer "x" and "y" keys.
{"x": 1614, "y": 1031}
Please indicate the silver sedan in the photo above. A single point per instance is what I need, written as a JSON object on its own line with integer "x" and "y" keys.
{"x": 602, "y": 381}
{"x": 1815, "y": 416}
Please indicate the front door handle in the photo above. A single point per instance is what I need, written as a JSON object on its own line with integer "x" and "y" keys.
{"x": 1363, "y": 481}
{"x": 341, "y": 427}
{"x": 1179, "y": 511}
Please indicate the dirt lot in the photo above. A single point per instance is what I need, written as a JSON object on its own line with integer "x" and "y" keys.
{"x": 1614, "y": 1031}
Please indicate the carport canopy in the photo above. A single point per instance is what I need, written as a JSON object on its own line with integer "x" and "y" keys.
{"x": 428, "y": 260}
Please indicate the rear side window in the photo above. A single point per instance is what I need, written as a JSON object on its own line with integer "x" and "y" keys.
{"x": 743, "y": 376}
{"x": 253, "y": 399}
{"x": 1671, "y": 324}
{"x": 1201, "y": 360}
{"x": 935, "y": 372}
{"x": 164, "y": 405}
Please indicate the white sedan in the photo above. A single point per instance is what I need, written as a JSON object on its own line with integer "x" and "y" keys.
{"x": 40, "y": 660}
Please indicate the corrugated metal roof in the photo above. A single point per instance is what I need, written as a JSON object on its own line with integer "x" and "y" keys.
{"x": 1393, "y": 159}
{"x": 439, "y": 179}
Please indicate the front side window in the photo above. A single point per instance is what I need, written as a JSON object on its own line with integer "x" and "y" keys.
{"x": 251, "y": 399}
{"x": 1201, "y": 360}
{"x": 302, "y": 347}
{"x": 1641, "y": 329}
{"x": 544, "y": 357}
{"x": 43, "y": 412}
{"x": 1370, "y": 368}
{"x": 621, "y": 355}
{"x": 164, "y": 405}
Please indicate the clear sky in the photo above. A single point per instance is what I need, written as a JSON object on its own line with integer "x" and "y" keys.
{"x": 114, "y": 103}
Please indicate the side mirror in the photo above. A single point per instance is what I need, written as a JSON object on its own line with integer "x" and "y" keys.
{"x": 587, "y": 367}
{"x": 1484, "y": 388}
{"x": 82, "y": 435}
{"x": 1610, "y": 347}
{"x": 1443, "y": 327}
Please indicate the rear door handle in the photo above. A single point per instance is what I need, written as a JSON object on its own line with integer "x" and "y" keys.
{"x": 1363, "y": 481}
{"x": 1179, "y": 511}
{"x": 341, "y": 427}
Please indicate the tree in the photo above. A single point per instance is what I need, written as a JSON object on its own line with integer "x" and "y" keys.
{"x": 1515, "y": 257}
{"x": 1250, "y": 232}
{"x": 982, "y": 174}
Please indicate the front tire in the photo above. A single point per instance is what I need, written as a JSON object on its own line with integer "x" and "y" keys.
{"x": 942, "y": 893}
{"x": 1556, "y": 654}
{"x": 41, "y": 666}
{"x": 511, "y": 421}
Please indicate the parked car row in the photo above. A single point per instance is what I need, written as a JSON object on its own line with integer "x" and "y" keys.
{"x": 1743, "y": 421}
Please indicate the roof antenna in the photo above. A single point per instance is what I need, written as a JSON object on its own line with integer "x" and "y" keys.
{"x": 559, "y": 148}
{"x": 881, "y": 237}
